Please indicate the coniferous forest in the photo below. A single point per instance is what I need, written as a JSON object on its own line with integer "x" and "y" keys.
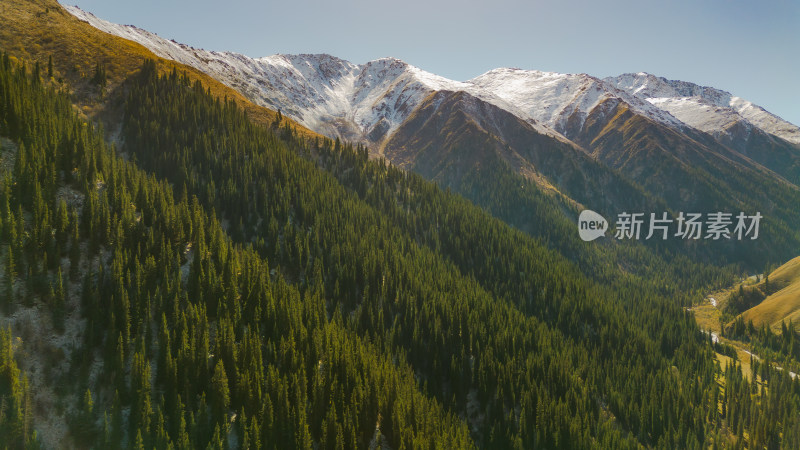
{"x": 227, "y": 284}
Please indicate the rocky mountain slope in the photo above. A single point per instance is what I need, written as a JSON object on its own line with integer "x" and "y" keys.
{"x": 610, "y": 144}
{"x": 368, "y": 101}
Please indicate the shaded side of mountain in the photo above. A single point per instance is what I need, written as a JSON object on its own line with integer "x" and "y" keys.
{"x": 774, "y": 153}
{"x": 493, "y": 159}
{"x": 453, "y": 133}
{"x": 692, "y": 172}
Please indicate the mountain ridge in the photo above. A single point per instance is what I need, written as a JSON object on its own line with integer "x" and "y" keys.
{"x": 685, "y": 100}
{"x": 343, "y": 108}
{"x": 378, "y": 104}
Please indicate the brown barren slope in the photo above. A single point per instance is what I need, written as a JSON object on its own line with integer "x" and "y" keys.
{"x": 35, "y": 30}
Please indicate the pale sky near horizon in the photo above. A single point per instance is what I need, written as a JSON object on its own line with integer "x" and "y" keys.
{"x": 749, "y": 48}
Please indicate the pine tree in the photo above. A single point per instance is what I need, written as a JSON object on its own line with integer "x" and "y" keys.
{"x": 139, "y": 443}
{"x": 106, "y": 438}
{"x": 85, "y": 419}
{"x": 141, "y": 406}
{"x": 74, "y": 248}
{"x": 220, "y": 395}
{"x": 59, "y": 302}
{"x": 99, "y": 78}
{"x": 10, "y": 278}
{"x": 217, "y": 439}
{"x": 117, "y": 431}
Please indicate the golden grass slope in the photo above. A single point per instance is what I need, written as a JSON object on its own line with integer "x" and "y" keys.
{"x": 784, "y": 303}
{"x": 36, "y": 30}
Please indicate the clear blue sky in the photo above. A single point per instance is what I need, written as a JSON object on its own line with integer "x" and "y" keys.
{"x": 749, "y": 48}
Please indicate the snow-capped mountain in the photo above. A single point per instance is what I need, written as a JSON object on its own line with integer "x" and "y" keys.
{"x": 705, "y": 108}
{"x": 554, "y": 98}
{"x": 367, "y": 102}
{"x": 322, "y": 92}
{"x": 624, "y": 143}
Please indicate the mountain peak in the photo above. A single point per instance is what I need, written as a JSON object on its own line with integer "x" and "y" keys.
{"x": 650, "y": 86}
{"x": 556, "y": 99}
{"x": 317, "y": 58}
{"x": 708, "y": 109}
{"x": 319, "y": 90}
{"x": 387, "y": 60}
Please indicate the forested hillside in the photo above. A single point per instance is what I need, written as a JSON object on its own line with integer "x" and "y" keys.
{"x": 195, "y": 340}
{"x": 233, "y": 285}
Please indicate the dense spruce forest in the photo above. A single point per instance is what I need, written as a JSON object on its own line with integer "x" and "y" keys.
{"x": 237, "y": 286}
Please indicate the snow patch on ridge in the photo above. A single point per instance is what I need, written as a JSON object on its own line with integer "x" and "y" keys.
{"x": 552, "y": 98}
{"x": 708, "y": 109}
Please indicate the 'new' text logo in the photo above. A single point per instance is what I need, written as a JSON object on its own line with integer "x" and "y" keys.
{"x": 591, "y": 225}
